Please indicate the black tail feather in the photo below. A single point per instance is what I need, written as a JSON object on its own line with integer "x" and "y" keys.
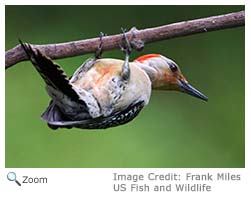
{"x": 54, "y": 114}
{"x": 52, "y": 74}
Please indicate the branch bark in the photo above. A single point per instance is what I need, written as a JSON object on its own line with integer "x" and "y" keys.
{"x": 136, "y": 37}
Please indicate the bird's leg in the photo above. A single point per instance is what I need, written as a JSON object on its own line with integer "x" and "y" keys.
{"x": 99, "y": 49}
{"x": 126, "y": 48}
{"x": 89, "y": 62}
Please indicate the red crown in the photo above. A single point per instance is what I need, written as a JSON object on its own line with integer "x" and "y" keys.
{"x": 146, "y": 57}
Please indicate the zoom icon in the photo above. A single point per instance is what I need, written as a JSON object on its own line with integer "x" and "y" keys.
{"x": 11, "y": 176}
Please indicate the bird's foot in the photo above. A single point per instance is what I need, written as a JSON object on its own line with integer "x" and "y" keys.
{"x": 99, "y": 50}
{"x": 125, "y": 46}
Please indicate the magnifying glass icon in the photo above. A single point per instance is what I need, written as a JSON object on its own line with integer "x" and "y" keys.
{"x": 11, "y": 176}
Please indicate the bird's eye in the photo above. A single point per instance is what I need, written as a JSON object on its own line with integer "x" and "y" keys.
{"x": 173, "y": 67}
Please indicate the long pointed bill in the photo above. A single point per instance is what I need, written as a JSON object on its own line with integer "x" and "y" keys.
{"x": 192, "y": 91}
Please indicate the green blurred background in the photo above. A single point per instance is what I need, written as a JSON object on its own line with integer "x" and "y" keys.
{"x": 174, "y": 130}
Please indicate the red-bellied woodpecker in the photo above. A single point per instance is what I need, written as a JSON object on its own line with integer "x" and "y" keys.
{"x": 105, "y": 92}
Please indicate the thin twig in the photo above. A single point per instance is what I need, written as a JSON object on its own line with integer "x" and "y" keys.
{"x": 136, "y": 37}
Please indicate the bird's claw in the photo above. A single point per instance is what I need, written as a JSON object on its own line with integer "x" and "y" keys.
{"x": 125, "y": 46}
{"x": 99, "y": 50}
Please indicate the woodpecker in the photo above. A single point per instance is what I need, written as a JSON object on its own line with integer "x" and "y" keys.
{"x": 105, "y": 92}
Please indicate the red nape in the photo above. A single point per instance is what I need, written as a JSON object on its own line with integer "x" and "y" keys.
{"x": 145, "y": 57}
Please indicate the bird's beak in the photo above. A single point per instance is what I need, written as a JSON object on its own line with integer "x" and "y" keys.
{"x": 185, "y": 87}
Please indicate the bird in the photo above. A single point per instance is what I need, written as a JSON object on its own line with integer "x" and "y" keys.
{"x": 105, "y": 92}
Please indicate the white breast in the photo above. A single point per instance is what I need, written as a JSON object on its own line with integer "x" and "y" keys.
{"x": 103, "y": 81}
{"x": 137, "y": 89}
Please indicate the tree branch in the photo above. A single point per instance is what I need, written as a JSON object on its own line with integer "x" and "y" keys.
{"x": 136, "y": 37}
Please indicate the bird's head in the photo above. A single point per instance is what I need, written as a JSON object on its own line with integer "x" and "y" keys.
{"x": 166, "y": 75}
